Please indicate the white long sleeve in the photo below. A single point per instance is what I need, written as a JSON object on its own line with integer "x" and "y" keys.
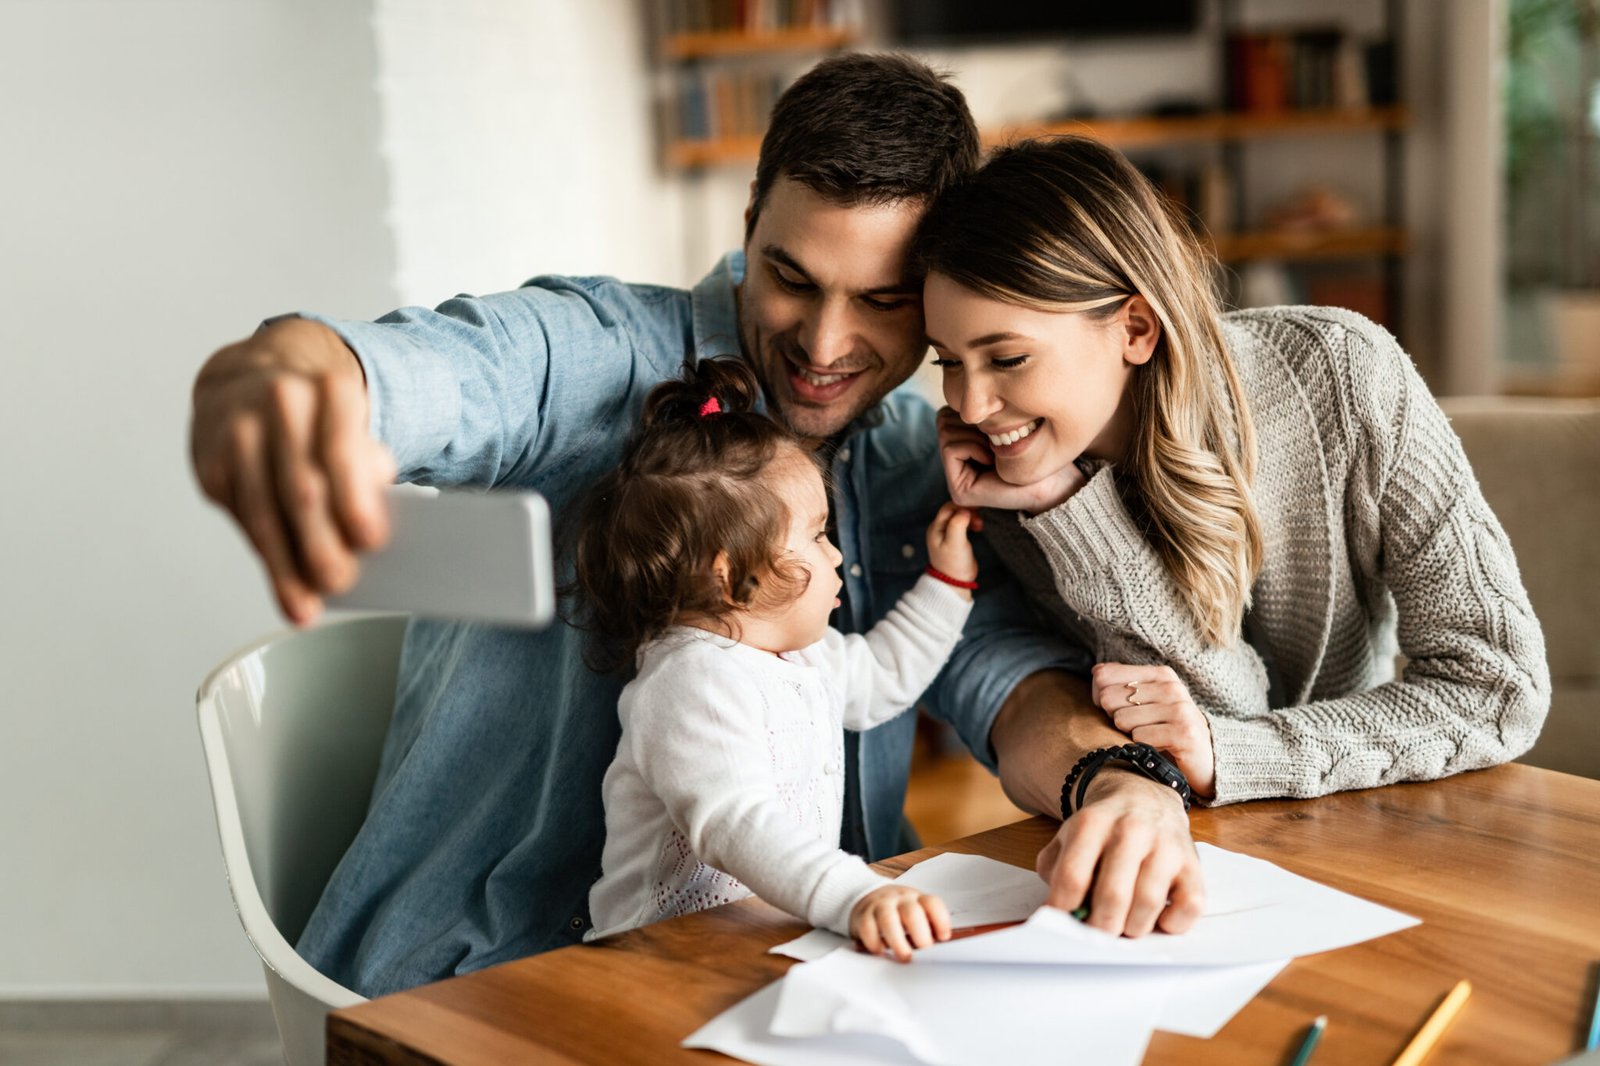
{"x": 882, "y": 672}
{"x": 729, "y": 777}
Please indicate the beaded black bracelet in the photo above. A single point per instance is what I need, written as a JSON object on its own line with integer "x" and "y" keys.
{"x": 1141, "y": 757}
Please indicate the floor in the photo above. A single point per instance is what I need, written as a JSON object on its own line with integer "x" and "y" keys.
{"x": 138, "y": 1034}
{"x": 949, "y": 796}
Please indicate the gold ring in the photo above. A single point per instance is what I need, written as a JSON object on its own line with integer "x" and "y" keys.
{"x": 1133, "y": 693}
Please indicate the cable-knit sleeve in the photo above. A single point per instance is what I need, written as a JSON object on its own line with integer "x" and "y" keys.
{"x": 1476, "y": 686}
{"x": 1105, "y": 571}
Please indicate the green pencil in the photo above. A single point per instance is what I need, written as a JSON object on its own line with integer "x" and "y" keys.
{"x": 1313, "y": 1034}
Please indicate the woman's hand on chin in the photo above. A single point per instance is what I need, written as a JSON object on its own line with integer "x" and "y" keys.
{"x": 969, "y": 469}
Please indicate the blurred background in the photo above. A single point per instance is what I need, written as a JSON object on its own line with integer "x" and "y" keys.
{"x": 177, "y": 170}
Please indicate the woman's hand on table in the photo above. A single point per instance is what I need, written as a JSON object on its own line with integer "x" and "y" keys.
{"x": 969, "y": 468}
{"x": 1151, "y": 705}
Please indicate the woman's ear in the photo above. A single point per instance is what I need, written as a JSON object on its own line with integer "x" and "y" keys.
{"x": 1141, "y": 330}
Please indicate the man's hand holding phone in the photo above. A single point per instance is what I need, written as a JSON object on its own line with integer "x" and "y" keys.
{"x": 279, "y": 440}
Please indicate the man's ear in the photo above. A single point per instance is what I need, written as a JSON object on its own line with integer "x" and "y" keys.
{"x": 1141, "y": 329}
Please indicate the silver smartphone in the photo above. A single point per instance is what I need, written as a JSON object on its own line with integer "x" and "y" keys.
{"x": 472, "y": 556}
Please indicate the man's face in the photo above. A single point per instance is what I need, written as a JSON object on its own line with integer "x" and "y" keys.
{"x": 827, "y": 315}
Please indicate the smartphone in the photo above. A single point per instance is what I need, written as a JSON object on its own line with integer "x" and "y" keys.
{"x": 470, "y": 556}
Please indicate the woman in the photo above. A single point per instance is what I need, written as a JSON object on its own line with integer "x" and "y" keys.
{"x": 1232, "y": 511}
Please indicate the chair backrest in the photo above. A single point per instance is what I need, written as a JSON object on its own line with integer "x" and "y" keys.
{"x": 1538, "y": 461}
{"x": 293, "y": 729}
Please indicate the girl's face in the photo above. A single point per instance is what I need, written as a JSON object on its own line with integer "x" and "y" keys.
{"x": 1045, "y": 387}
{"x": 800, "y": 622}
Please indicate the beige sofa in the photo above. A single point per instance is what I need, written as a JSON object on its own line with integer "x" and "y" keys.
{"x": 1539, "y": 464}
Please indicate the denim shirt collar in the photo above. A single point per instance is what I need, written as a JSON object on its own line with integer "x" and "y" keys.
{"x": 715, "y": 301}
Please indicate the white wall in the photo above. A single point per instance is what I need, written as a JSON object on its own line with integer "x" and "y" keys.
{"x": 175, "y": 170}
{"x": 519, "y": 141}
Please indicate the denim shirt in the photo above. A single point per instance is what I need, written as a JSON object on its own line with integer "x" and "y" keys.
{"x": 485, "y": 827}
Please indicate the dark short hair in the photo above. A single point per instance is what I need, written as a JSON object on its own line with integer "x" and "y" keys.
{"x": 864, "y": 128}
{"x": 693, "y": 484}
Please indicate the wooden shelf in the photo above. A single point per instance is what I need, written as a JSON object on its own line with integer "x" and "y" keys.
{"x": 738, "y": 42}
{"x": 1119, "y": 132}
{"x": 1219, "y": 126}
{"x": 726, "y": 152}
{"x": 1306, "y": 245}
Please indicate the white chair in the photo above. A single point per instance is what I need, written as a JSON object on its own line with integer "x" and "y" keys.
{"x": 292, "y": 729}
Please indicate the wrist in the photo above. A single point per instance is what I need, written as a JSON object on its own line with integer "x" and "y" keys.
{"x": 965, "y": 582}
{"x": 1119, "y": 779}
{"x": 1141, "y": 759}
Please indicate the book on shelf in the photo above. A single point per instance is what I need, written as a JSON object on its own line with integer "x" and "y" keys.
{"x": 759, "y": 16}
{"x": 1316, "y": 67}
{"x": 719, "y": 104}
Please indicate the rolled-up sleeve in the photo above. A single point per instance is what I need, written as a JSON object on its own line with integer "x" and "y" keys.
{"x": 487, "y": 390}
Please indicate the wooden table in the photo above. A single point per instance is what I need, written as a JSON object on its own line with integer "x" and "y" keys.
{"x": 1502, "y": 866}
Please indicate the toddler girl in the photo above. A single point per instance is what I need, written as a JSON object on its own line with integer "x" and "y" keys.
{"x": 705, "y": 557}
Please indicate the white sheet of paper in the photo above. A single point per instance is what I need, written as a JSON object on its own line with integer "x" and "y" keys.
{"x": 1205, "y": 998}
{"x": 1256, "y": 913}
{"x": 853, "y": 1008}
{"x": 977, "y": 890}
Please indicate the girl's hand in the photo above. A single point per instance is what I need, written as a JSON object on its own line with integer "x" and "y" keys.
{"x": 896, "y": 919}
{"x": 969, "y": 468}
{"x": 949, "y": 550}
{"x": 1152, "y": 706}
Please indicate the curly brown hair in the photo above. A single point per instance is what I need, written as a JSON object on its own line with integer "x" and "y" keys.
{"x": 692, "y": 489}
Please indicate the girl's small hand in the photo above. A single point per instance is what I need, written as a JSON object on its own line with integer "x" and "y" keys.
{"x": 949, "y": 550}
{"x": 1152, "y": 706}
{"x": 969, "y": 469}
{"x": 896, "y": 919}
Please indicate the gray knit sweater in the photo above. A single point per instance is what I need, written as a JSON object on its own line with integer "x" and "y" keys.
{"x": 1369, "y": 511}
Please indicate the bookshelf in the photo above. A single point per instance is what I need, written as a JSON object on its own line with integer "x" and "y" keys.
{"x": 722, "y": 65}
{"x": 1274, "y": 83}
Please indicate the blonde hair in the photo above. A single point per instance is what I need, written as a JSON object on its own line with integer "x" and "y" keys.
{"x": 1060, "y": 222}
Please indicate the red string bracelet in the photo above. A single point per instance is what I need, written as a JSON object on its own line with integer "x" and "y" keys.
{"x": 940, "y": 575}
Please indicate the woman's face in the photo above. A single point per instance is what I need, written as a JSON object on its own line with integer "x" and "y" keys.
{"x": 1045, "y": 387}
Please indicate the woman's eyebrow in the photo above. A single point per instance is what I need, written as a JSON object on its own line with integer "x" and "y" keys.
{"x": 986, "y": 339}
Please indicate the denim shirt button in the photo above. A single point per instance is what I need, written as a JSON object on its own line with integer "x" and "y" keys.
{"x": 576, "y": 922}
{"x": 908, "y": 551}
{"x": 855, "y": 569}
{"x": 844, "y": 455}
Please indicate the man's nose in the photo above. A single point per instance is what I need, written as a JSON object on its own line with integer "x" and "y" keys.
{"x": 828, "y": 334}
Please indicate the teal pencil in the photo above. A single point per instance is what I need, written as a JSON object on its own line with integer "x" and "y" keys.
{"x": 1313, "y": 1034}
{"x": 1594, "y": 1021}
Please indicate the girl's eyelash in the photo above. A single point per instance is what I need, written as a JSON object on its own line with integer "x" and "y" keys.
{"x": 1010, "y": 362}
{"x": 945, "y": 364}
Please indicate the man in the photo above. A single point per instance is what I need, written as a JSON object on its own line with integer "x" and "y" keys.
{"x": 485, "y": 828}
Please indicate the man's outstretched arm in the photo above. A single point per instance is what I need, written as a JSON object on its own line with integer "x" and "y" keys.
{"x": 1127, "y": 851}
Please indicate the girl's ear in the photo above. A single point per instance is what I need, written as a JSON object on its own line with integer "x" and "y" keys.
{"x": 720, "y": 567}
{"x": 1141, "y": 330}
